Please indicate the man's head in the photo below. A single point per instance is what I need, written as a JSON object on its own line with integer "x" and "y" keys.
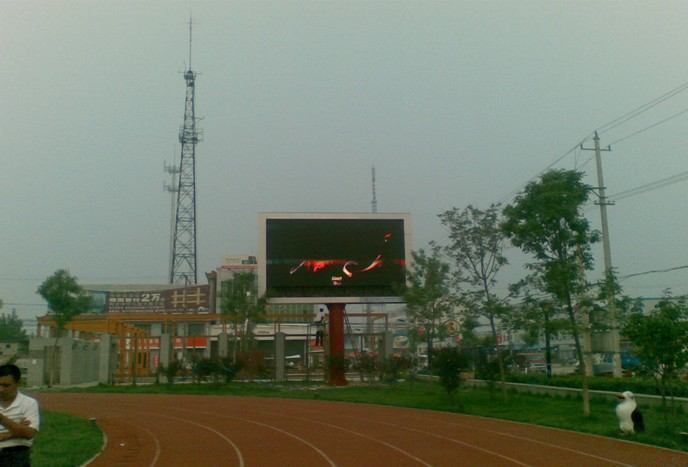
{"x": 10, "y": 376}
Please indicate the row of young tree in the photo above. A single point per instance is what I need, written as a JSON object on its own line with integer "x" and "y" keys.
{"x": 457, "y": 281}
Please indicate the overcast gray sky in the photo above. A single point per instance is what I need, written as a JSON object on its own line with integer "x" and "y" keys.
{"x": 454, "y": 103}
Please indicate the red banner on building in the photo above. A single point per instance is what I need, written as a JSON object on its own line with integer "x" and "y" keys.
{"x": 153, "y": 343}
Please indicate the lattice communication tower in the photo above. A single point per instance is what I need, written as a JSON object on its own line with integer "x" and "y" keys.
{"x": 184, "y": 255}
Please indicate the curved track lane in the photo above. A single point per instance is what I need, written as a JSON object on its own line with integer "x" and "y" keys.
{"x": 166, "y": 430}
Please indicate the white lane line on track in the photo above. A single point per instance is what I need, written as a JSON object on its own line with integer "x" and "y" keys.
{"x": 157, "y": 446}
{"x": 102, "y": 448}
{"x": 346, "y": 430}
{"x": 535, "y": 441}
{"x": 156, "y": 441}
{"x": 495, "y": 432}
{"x": 231, "y": 443}
{"x": 406, "y": 453}
{"x": 531, "y": 440}
{"x": 158, "y": 449}
{"x": 452, "y": 440}
{"x": 617, "y": 440}
{"x": 286, "y": 433}
{"x": 470, "y": 446}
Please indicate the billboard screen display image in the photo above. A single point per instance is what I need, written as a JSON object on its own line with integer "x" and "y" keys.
{"x": 346, "y": 258}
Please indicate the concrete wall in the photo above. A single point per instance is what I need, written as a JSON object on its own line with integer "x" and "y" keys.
{"x": 78, "y": 361}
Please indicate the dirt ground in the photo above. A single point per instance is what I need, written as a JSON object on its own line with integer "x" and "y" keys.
{"x": 167, "y": 430}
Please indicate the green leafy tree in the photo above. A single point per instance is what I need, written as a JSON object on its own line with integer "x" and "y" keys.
{"x": 476, "y": 243}
{"x": 467, "y": 333}
{"x": 428, "y": 297}
{"x": 11, "y": 327}
{"x": 546, "y": 221}
{"x": 600, "y": 319}
{"x": 66, "y": 300}
{"x": 660, "y": 339}
{"x": 242, "y": 308}
{"x": 537, "y": 315}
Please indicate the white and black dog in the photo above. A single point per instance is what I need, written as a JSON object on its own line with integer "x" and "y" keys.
{"x": 630, "y": 419}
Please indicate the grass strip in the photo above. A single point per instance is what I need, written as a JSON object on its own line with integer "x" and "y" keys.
{"x": 65, "y": 441}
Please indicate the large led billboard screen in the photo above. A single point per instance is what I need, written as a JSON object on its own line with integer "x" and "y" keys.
{"x": 333, "y": 257}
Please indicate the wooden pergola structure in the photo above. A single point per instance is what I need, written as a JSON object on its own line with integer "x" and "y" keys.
{"x": 134, "y": 351}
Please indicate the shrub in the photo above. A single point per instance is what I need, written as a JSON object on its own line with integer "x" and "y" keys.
{"x": 447, "y": 364}
{"x": 392, "y": 367}
{"x": 171, "y": 371}
{"x": 216, "y": 370}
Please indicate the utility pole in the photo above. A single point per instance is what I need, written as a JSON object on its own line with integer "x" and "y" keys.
{"x": 612, "y": 339}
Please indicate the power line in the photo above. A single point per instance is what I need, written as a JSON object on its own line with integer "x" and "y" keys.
{"x": 159, "y": 279}
{"x": 651, "y": 126}
{"x": 611, "y": 125}
{"x": 643, "y": 108}
{"x": 513, "y": 192}
{"x": 651, "y": 186}
{"x": 655, "y": 271}
{"x": 647, "y": 187}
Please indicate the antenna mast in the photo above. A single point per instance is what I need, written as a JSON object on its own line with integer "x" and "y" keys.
{"x": 184, "y": 257}
{"x": 190, "y": 40}
{"x": 369, "y": 309}
{"x": 374, "y": 202}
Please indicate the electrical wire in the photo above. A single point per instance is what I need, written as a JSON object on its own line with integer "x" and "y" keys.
{"x": 651, "y": 126}
{"x": 513, "y": 192}
{"x": 609, "y": 126}
{"x": 645, "y": 188}
{"x": 27, "y": 304}
{"x": 621, "y": 278}
{"x": 643, "y": 108}
{"x": 651, "y": 186}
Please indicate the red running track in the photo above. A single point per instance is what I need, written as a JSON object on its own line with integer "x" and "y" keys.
{"x": 167, "y": 430}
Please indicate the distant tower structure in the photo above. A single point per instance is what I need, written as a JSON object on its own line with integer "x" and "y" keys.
{"x": 374, "y": 202}
{"x": 183, "y": 268}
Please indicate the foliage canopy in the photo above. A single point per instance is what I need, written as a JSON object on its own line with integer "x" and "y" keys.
{"x": 660, "y": 339}
{"x": 241, "y": 307}
{"x": 11, "y": 328}
{"x": 428, "y": 297}
{"x": 66, "y": 298}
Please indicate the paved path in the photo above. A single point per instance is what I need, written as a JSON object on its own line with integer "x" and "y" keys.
{"x": 170, "y": 430}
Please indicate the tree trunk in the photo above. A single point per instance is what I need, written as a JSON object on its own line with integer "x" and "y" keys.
{"x": 581, "y": 362}
{"x": 431, "y": 337}
{"x": 663, "y": 392}
{"x": 500, "y": 362}
{"x": 548, "y": 350}
{"x": 53, "y": 358}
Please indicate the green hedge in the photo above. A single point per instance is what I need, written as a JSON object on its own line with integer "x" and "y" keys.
{"x": 599, "y": 383}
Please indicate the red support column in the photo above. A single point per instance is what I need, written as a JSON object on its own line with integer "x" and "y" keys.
{"x": 335, "y": 365}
